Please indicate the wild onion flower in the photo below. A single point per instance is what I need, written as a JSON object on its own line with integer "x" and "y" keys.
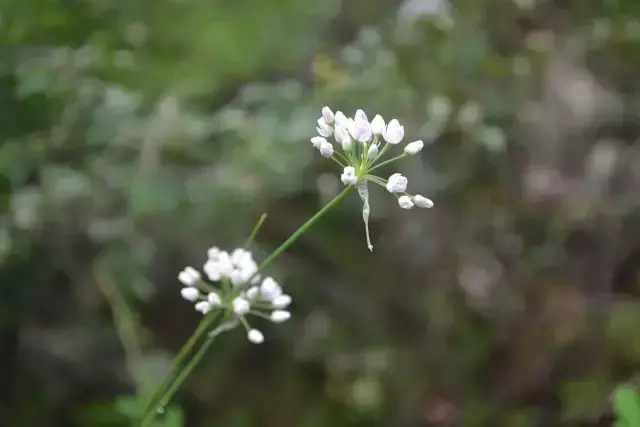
{"x": 361, "y": 149}
{"x": 231, "y": 283}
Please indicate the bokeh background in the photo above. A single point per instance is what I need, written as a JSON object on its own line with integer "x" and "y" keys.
{"x": 135, "y": 134}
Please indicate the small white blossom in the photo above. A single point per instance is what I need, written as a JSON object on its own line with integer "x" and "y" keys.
{"x": 317, "y": 141}
{"x": 203, "y": 307}
{"x": 214, "y": 299}
{"x": 189, "y": 276}
{"x": 422, "y": 202}
{"x": 405, "y": 202}
{"x": 190, "y": 293}
{"x": 397, "y": 183}
{"x": 240, "y": 269}
{"x": 341, "y": 120}
{"x": 255, "y": 336}
{"x": 327, "y": 115}
{"x": 326, "y": 149}
{"x": 324, "y": 129}
{"x": 252, "y": 293}
{"x": 270, "y": 289}
{"x": 394, "y": 132}
{"x": 364, "y": 159}
{"x": 372, "y": 152}
{"x": 241, "y": 306}
{"x": 343, "y": 137}
{"x": 348, "y": 176}
{"x": 282, "y": 301}
{"x": 377, "y": 125}
{"x": 360, "y": 128}
{"x": 211, "y": 270}
{"x": 214, "y": 253}
{"x": 361, "y": 115}
{"x": 414, "y": 147}
{"x": 280, "y": 316}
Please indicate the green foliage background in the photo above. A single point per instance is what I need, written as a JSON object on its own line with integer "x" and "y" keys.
{"x": 135, "y": 134}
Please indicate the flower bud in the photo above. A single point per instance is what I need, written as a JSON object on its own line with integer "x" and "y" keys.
{"x": 360, "y": 128}
{"x": 241, "y": 306}
{"x": 414, "y": 147}
{"x": 255, "y": 336}
{"x": 190, "y": 294}
{"x": 324, "y": 129}
{"x": 360, "y": 115}
{"x": 348, "y": 176}
{"x": 397, "y": 184}
{"x": 282, "y": 301}
{"x": 212, "y": 271}
{"x": 317, "y": 141}
{"x": 252, "y": 292}
{"x": 326, "y": 149}
{"x": 377, "y": 125}
{"x": 280, "y": 316}
{"x": 214, "y": 299}
{"x": 422, "y": 202}
{"x": 270, "y": 289}
{"x": 340, "y": 119}
{"x": 203, "y": 307}
{"x": 394, "y": 132}
{"x": 189, "y": 276}
{"x": 405, "y": 202}
{"x": 372, "y": 152}
{"x": 343, "y": 137}
{"x": 327, "y": 115}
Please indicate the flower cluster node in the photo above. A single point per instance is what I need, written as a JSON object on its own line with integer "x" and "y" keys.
{"x": 231, "y": 283}
{"x": 361, "y": 149}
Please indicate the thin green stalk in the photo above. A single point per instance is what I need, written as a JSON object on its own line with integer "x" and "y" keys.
{"x": 184, "y": 374}
{"x": 393, "y": 159}
{"x": 285, "y": 245}
{"x": 255, "y": 230}
{"x": 155, "y": 397}
{"x": 159, "y": 395}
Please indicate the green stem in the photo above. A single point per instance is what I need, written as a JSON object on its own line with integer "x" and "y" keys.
{"x": 152, "y": 403}
{"x": 256, "y": 228}
{"x": 184, "y": 374}
{"x": 285, "y": 245}
{"x": 159, "y": 395}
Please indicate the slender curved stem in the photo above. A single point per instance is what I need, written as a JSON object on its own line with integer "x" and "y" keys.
{"x": 156, "y": 396}
{"x": 285, "y": 245}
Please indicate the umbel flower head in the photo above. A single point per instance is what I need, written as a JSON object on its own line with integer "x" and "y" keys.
{"x": 361, "y": 147}
{"x": 231, "y": 283}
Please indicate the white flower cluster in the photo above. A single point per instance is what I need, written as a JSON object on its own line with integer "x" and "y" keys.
{"x": 240, "y": 290}
{"x": 363, "y": 145}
